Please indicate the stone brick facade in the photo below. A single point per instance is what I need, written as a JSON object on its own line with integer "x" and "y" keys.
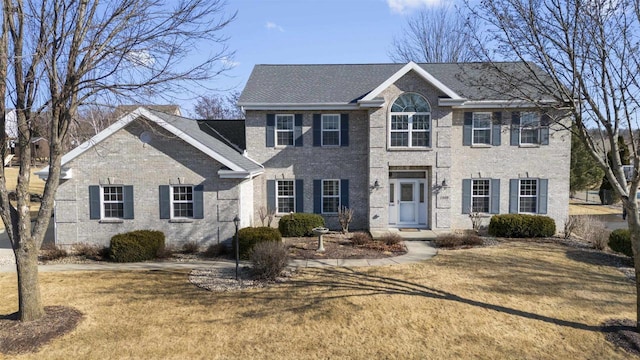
{"x": 369, "y": 160}
{"x": 308, "y": 163}
{"x": 124, "y": 159}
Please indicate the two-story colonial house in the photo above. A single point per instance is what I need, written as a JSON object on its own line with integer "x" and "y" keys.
{"x": 403, "y": 145}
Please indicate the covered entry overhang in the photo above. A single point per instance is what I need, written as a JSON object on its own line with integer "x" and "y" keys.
{"x": 409, "y": 194}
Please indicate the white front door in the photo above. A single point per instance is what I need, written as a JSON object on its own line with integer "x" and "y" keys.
{"x": 407, "y": 206}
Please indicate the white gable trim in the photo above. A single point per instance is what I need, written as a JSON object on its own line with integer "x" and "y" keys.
{"x": 126, "y": 120}
{"x": 300, "y": 106}
{"x": 403, "y": 71}
{"x": 491, "y": 104}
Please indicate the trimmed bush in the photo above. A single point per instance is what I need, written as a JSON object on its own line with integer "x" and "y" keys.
{"x": 521, "y": 226}
{"x": 269, "y": 259}
{"x": 299, "y": 224}
{"x": 620, "y": 241}
{"x": 360, "y": 238}
{"x": 139, "y": 245}
{"x": 453, "y": 240}
{"x": 249, "y": 237}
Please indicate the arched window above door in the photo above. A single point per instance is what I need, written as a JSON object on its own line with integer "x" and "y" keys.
{"x": 410, "y": 122}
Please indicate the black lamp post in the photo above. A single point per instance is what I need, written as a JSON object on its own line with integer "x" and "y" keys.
{"x": 236, "y": 221}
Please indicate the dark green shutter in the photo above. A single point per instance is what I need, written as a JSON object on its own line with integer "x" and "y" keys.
{"x": 165, "y": 202}
{"x": 467, "y": 129}
{"x": 515, "y": 128}
{"x": 94, "y": 202}
{"x": 299, "y": 196}
{"x": 198, "y": 202}
{"x": 495, "y": 196}
{"x": 271, "y": 195}
{"x": 317, "y": 196}
{"x": 513, "y": 196}
{"x": 545, "y": 121}
{"x": 271, "y": 129}
{"x": 297, "y": 130}
{"x": 128, "y": 201}
{"x": 466, "y": 196}
{"x": 543, "y": 186}
{"x": 496, "y": 131}
{"x": 317, "y": 130}
{"x": 344, "y": 129}
{"x": 344, "y": 192}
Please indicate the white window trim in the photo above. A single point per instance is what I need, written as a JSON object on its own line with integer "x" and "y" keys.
{"x": 292, "y": 131}
{"x": 409, "y": 130}
{"x": 474, "y": 128}
{"x": 172, "y": 202}
{"x": 536, "y": 128}
{"x": 103, "y": 202}
{"x": 322, "y": 130}
{"x": 537, "y": 196}
{"x": 339, "y": 196}
{"x": 285, "y": 197}
{"x": 479, "y": 196}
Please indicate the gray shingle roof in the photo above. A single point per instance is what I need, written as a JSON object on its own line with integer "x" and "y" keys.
{"x": 346, "y": 83}
{"x": 193, "y": 128}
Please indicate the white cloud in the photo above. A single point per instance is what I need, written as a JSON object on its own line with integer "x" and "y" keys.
{"x": 273, "y": 26}
{"x": 140, "y": 58}
{"x": 401, "y": 6}
{"x": 229, "y": 62}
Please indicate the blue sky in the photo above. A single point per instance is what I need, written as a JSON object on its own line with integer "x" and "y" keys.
{"x": 310, "y": 32}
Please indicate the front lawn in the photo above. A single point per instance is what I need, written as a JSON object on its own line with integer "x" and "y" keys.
{"x": 515, "y": 300}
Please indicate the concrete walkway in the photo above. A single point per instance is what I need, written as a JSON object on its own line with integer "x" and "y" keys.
{"x": 416, "y": 251}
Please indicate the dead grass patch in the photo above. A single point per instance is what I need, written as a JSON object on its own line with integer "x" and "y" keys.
{"x": 516, "y": 300}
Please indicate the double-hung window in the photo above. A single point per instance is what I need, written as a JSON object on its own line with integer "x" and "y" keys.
{"x": 284, "y": 129}
{"x": 330, "y": 130}
{"x": 530, "y": 128}
{"x": 528, "y": 196}
{"x": 285, "y": 196}
{"x": 410, "y": 122}
{"x": 110, "y": 202}
{"x": 480, "y": 195}
{"x": 481, "y": 128}
{"x": 330, "y": 196}
{"x": 113, "y": 202}
{"x": 182, "y": 201}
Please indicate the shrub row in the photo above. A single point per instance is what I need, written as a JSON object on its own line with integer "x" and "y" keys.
{"x": 299, "y": 224}
{"x": 522, "y": 226}
{"x": 249, "y": 237}
{"x": 139, "y": 245}
{"x": 453, "y": 240}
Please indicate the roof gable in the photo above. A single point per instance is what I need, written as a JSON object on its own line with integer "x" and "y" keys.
{"x": 186, "y": 129}
{"x": 411, "y": 66}
{"x": 357, "y": 86}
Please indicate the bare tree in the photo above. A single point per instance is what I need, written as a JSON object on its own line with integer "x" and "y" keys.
{"x": 217, "y": 107}
{"x": 590, "y": 55}
{"x": 57, "y": 55}
{"x": 437, "y": 34}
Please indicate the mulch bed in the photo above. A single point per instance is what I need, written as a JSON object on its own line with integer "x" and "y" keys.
{"x": 338, "y": 246}
{"x": 18, "y": 337}
{"x": 623, "y": 333}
